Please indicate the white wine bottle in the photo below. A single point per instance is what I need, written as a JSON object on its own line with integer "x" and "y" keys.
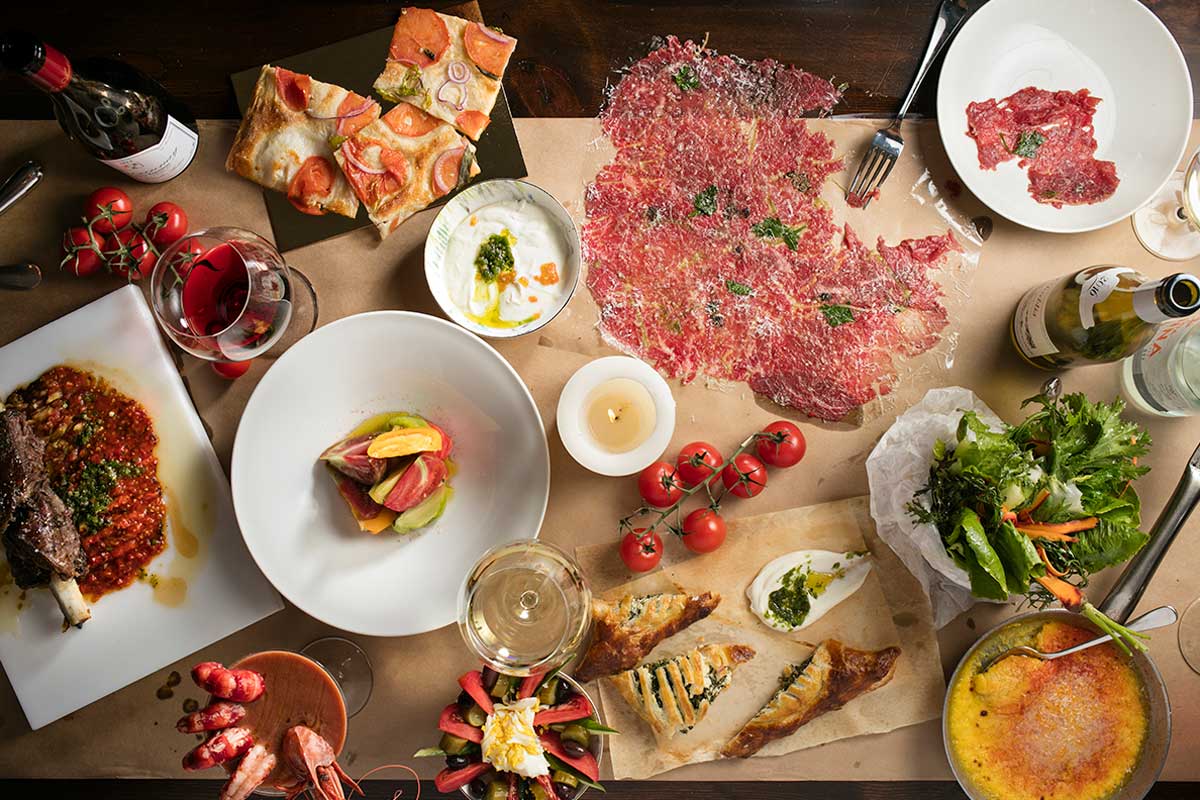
{"x": 1163, "y": 377}
{"x": 1104, "y": 313}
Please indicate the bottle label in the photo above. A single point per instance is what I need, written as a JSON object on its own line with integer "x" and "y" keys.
{"x": 1095, "y": 290}
{"x": 163, "y": 161}
{"x": 1029, "y": 322}
{"x": 1152, "y": 366}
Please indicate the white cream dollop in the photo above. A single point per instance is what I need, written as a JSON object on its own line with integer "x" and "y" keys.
{"x": 826, "y": 577}
{"x": 510, "y": 742}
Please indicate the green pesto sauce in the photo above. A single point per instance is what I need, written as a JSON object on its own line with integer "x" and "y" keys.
{"x": 91, "y": 495}
{"x": 495, "y": 256}
{"x": 791, "y": 603}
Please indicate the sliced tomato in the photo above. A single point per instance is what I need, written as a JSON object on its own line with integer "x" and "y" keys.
{"x": 311, "y": 185}
{"x": 513, "y": 791}
{"x": 529, "y": 686}
{"x": 447, "y": 442}
{"x": 547, "y": 785}
{"x": 586, "y": 763}
{"x": 445, "y": 171}
{"x": 348, "y": 126}
{"x": 355, "y": 495}
{"x": 373, "y": 188}
{"x": 420, "y": 480}
{"x": 450, "y": 780}
{"x": 293, "y": 88}
{"x": 472, "y": 122}
{"x": 472, "y": 683}
{"x": 452, "y": 722}
{"x": 577, "y": 707}
{"x": 419, "y": 38}
{"x": 396, "y": 164}
{"x": 408, "y": 120}
{"x": 489, "y": 52}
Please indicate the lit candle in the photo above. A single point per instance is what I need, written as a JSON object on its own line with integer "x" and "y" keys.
{"x": 616, "y": 415}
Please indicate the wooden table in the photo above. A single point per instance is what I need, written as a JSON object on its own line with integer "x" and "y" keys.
{"x": 569, "y": 52}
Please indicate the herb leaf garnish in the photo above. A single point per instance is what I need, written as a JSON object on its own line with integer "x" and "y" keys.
{"x": 686, "y": 78}
{"x": 705, "y": 202}
{"x": 740, "y": 289}
{"x": 1027, "y": 145}
{"x": 837, "y": 314}
{"x": 773, "y": 228}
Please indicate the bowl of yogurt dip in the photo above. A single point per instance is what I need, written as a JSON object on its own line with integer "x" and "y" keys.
{"x": 502, "y": 258}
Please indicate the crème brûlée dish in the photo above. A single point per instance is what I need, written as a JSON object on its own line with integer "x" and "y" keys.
{"x": 1068, "y": 729}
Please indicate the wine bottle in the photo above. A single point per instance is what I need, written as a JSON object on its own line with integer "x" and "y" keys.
{"x": 1104, "y": 313}
{"x": 1163, "y": 377}
{"x": 122, "y": 117}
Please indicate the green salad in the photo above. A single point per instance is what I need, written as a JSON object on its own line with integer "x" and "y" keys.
{"x": 1037, "y": 508}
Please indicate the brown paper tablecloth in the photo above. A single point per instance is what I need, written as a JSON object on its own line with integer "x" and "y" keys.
{"x": 130, "y": 733}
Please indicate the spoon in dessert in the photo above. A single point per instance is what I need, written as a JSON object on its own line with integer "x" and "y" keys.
{"x": 1156, "y": 618}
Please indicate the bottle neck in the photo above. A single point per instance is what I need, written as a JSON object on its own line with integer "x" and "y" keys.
{"x": 54, "y": 73}
{"x": 1170, "y": 298}
{"x": 44, "y": 66}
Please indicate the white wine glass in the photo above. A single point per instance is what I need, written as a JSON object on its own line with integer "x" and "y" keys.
{"x": 1169, "y": 225}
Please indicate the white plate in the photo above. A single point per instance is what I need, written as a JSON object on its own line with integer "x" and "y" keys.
{"x": 131, "y": 634}
{"x": 467, "y": 202}
{"x": 1117, "y": 49}
{"x": 298, "y": 528}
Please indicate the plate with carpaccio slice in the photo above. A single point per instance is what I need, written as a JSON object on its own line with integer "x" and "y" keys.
{"x": 1066, "y": 116}
{"x": 121, "y": 550}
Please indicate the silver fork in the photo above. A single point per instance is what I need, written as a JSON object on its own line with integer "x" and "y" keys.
{"x": 887, "y": 144}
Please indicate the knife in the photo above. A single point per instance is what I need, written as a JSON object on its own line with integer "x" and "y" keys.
{"x": 19, "y": 183}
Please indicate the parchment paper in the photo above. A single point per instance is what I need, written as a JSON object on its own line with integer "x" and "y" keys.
{"x": 131, "y": 733}
{"x": 866, "y": 620}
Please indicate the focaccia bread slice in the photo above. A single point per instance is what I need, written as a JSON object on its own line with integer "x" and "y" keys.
{"x": 286, "y": 139}
{"x": 625, "y": 631}
{"x": 831, "y": 677}
{"x": 402, "y": 162}
{"x": 674, "y": 694}
{"x": 447, "y": 65}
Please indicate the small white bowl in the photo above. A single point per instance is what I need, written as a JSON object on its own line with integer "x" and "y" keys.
{"x": 572, "y": 422}
{"x": 469, "y": 201}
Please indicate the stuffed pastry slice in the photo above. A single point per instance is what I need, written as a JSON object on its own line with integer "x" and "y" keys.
{"x": 674, "y": 694}
{"x": 625, "y": 631}
{"x": 446, "y": 65}
{"x": 402, "y": 162}
{"x": 831, "y": 677}
{"x": 287, "y": 138}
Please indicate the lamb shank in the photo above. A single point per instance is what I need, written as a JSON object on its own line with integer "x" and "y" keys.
{"x": 40, "y": 537}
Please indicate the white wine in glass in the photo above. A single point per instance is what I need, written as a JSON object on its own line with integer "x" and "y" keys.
{"x": 1169, "y": 225}
{"x": 525, "y": 608}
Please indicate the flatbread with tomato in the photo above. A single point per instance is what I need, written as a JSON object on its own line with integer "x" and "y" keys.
{"x": 448, "y": 66}
{"x": 402, "y": 162}
{"x": 287, "y": 138}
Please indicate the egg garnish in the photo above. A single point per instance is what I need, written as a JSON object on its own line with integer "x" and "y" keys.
{"x": 797, "y": 589}
{"x": 510, "y": 742}
{"x": 504, "y": 263}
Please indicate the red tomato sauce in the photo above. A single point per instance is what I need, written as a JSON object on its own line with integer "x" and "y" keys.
{"x": 100, "y": 460}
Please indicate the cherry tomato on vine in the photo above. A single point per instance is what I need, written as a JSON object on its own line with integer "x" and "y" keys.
{"x": 81, "y": 252}
{"x": 231, "y": 370}
{"x": 696, "y": 462}
{"x": 703, "y": 530}
{"x": 784, "y": 447}
{"x": 659, "y": 485}
{"x": 745, "y": 477}
{"x": 109, "y": 209}
{"x": 166, "y": 223}
{"x": 641, "y": 550}
{"x": 128, "y": 254}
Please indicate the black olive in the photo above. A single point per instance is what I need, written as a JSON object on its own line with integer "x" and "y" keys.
{"x": 465, "y": 700}
{"x": 457, "y": 761}
{"x": 572, "y": 748}
{"x": 490, "y": 676}
{"x": 478, "y": 787}
{"x": 564, "y": 791}
{"x": 563, "y": 693}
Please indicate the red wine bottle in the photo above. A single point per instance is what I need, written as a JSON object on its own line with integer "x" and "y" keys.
{"x": 122, "y": 117}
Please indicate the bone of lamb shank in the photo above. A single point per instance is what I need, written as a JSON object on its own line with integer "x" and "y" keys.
{"x": 40, "y": 538}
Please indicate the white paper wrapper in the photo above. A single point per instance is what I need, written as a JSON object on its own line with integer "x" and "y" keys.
{"x": 897, "y": 469}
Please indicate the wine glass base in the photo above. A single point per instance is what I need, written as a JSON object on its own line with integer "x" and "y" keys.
{"x": 348, "y": 665}
{"x": 1161, "y": 230}
{"x": 304, "y": 314}
{"x": 1189, "y": 635}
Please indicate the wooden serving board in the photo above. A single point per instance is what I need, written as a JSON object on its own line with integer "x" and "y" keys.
{"x": 354, "y": 64}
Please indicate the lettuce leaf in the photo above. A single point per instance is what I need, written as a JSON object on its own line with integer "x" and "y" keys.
{"x": 1108, "y": 544}
{"x": 985, "y": 557}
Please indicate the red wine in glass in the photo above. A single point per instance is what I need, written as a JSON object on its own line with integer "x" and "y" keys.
{"x": 215, "y": 290}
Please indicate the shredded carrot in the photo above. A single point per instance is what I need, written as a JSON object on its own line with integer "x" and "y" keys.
{"x": 1007, "y": 516}
{"x": 1041, "y": 551}
{"x": 1067, "y": 594}
{"x": 1058, "y": 531}
{"x": 1041, "y": 498}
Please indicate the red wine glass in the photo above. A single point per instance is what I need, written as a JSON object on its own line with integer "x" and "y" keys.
{"x": 226, "y": 294}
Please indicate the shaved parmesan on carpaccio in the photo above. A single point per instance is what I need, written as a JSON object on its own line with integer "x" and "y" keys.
{"x": 710, "y": 251}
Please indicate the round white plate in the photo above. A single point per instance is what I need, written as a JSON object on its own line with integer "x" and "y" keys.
{"x": 1119, "y": 50}
{"x": 467, "y": 202}
{"x": 301, "y": 532}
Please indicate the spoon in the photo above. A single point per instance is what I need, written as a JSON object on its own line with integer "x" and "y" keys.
{"x": 1156, "y": 618}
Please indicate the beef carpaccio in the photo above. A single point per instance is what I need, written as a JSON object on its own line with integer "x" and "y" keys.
{"x": 1051, "y": 134}
{"x": 710, "y": 251}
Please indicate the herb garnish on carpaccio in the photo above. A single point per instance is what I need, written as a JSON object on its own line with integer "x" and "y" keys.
{"x": 100, "y": 461}
{"x": 1035, "y": 509}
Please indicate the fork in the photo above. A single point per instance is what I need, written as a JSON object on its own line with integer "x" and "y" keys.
{"x": 1157, "y": 618}
{"x": 887, "y": 144}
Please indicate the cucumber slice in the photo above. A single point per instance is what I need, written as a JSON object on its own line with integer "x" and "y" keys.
{"x": 424, "y": 512}
{"x": 407, "y": 420}
{"x": 381, "y": 490}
